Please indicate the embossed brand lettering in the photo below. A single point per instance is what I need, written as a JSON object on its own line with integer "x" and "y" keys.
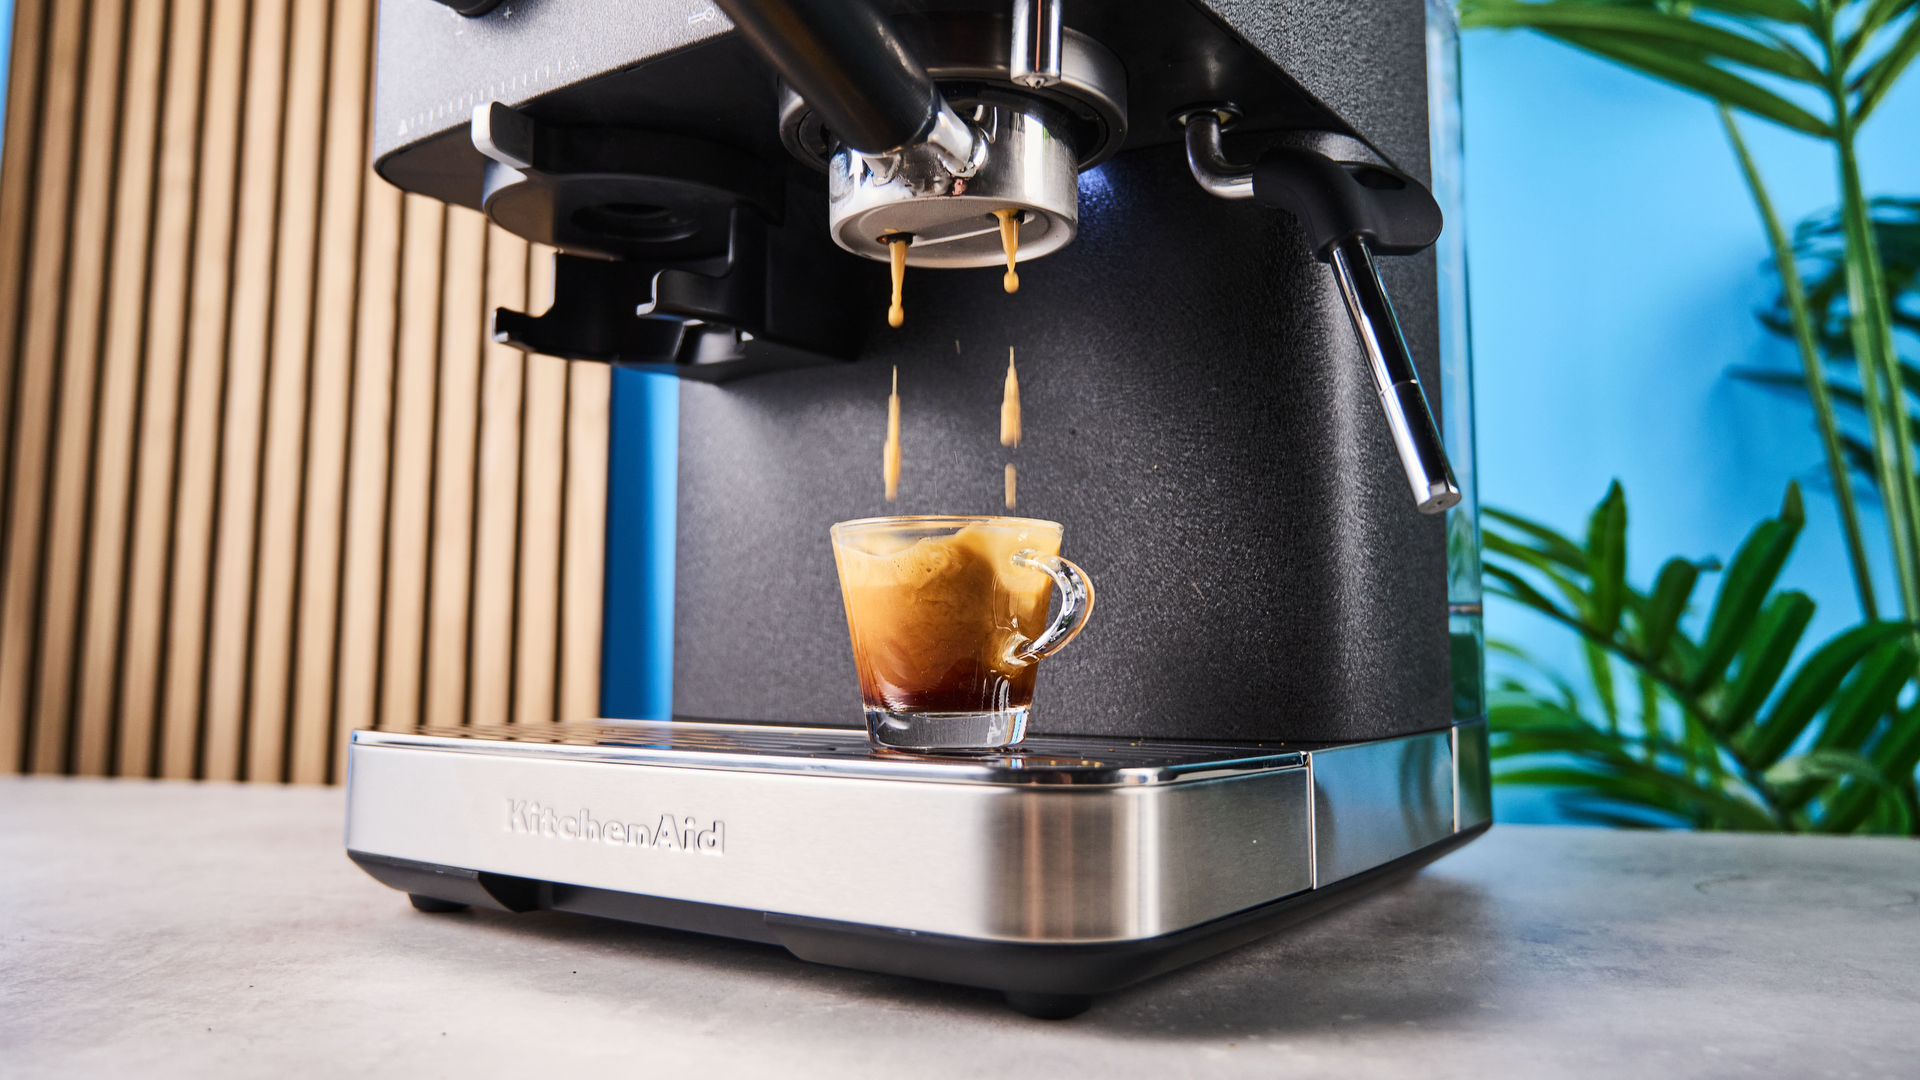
{"x": 670, "y": 833}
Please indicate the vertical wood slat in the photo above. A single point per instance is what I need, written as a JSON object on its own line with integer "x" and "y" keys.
{"x": 197, "y": 476}
{"x": 243, "y": 402}
{"x": 289, "y": 388}
{"x": 266, "y": 478}
{"x": 143, "y": 656}
{"x": 589, "y": 394}
{"x": 410, "y": 476}
{"x": 323, "y": 525}
{"x": 37, "y": 370}
{"x": 103, "y": 747}
{"x": 450, "y": 547}
{"x": 88, "y": 244}
{"x": 497, "y": 494}
{"x": 543, "y": 456}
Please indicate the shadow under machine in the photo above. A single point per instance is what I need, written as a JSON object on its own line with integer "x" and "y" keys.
{"x": 1277, "y": 706}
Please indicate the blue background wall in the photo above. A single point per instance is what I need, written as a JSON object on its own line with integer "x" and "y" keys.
{"x": 1617, "y": 264}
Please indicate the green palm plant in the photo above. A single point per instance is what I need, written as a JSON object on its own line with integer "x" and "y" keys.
{"x": 1819, "y": 67}
{"x": 1714, "y": 730}
{"x": 1819, "y": 247}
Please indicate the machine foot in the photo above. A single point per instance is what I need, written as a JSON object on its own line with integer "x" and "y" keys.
{"x": 428, "y": 903}
{"x": 1049, "y": 1006}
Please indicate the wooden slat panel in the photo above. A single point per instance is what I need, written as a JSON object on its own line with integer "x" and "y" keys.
{"x": 101, "y": 749}
{"x": 37, "y": 376}
{"x": 497, "y": 493}
{"x": 203, "y": 388}
{"x": 266, "y": 478}
{"x": 283, "y": 455}
{"x": 589, "y": 398}
{"x": 410, "y": 481}
{"x": 331, "y": 381}
{"x": 363, "y": 559}
{"x": 543, "y": 457}
{"x": 17, "y": 167}
{"x": 149, "y": 572}
{"x": 243, "y": 406}
{"x": 450, "y": 576}
{"x": 64, "y": 571}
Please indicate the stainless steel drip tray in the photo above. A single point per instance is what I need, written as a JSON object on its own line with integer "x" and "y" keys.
{"x": 827, "y": 751}
{"x": 764, "y": 832}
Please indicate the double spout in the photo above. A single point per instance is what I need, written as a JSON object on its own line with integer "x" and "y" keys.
{"x": 1351, "y": 212}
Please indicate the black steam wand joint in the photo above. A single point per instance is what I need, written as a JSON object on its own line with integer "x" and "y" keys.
{"x": 1351, "y": 211}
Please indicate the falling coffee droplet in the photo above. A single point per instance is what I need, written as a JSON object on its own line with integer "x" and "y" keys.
{"x": 890, "y": 455}
{"x": 1010, "y": 484}
{"x": 898, "y": 249}
{"x": 1010, "y": 406}
{"x": 1010, "y": 242}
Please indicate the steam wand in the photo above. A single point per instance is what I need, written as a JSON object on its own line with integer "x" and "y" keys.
{"x": 1351, "y": 211}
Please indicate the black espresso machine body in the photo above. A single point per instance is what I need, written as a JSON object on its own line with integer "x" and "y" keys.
{"x": 1203, "y": 413}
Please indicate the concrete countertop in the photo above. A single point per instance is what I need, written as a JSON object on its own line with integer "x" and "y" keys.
{"x": 212, "y": 930}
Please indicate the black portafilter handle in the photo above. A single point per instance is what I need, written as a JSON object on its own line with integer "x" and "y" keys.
{"x": 846, "y": 61}
{"x": 1353, "y": 211}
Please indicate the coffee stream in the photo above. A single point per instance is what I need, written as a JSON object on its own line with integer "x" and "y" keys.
{"x": 897, "y": 256}
{"x": 890, "y": 454}
{"x": 897, "y": 248}
{"x": 1010, "y": 395}
{"x": 1010, "y": 420}
{"x": 1009, "y": 242}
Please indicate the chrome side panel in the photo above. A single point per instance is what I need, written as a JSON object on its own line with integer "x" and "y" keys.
{"x": 1472, "y": 776}
{"x": 1374, "y": 802}
{"x": 998, "y": 862}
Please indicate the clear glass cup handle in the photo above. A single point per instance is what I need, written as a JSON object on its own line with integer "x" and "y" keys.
{"x": 1076, "y": 602}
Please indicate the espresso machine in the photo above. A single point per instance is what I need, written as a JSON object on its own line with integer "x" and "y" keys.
{"x": 1229, "y": 328}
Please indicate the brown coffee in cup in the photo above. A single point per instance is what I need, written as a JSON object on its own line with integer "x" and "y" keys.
{"x": 948, "y": 618}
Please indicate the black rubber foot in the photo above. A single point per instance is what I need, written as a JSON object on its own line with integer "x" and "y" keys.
{"x": 428, "y": 903}
{"x": 1049, "y": 1006}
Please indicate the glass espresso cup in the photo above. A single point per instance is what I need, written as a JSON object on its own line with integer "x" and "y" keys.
{"x": 949, "y": 623}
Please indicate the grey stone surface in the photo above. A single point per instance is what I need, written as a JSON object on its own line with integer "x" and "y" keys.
{"x": 171, "y": 929}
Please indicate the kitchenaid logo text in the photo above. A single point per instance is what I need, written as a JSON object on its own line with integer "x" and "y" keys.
{"x": 670, "y": 833}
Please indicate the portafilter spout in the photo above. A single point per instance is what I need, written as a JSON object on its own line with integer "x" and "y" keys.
{"x": 915, "y": 178}
{"x": 1351, "y": 211}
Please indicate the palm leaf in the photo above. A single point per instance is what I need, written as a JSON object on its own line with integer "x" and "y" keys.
{"x": 1879, "y": 77}
{"x": 1550, "y": 543}
{"x": 1787, "y": 11}
{"x": 1868, "y": 696}
{"x": 1749, "y": 578}
{"x": 1770, "y": 645}
{"x": 1607, "y": 561}
{"x": 1671, "y": 591}
{"x": 1813, "y": 687}
{"x": 1878, "y": 13}
{"x": 1654, "y": 28}
{"x": 1697, "y": 76}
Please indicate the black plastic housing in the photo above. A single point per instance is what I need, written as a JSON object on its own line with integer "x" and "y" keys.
{"x": 1050, "y": 981}
{"x": 1337, "y": 200}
